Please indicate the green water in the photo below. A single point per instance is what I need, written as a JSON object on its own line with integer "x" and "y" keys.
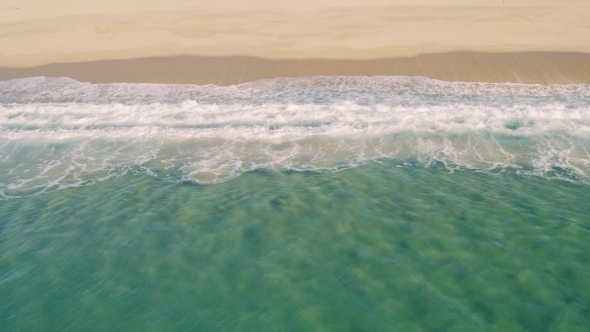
{"x": 373, "y": 248}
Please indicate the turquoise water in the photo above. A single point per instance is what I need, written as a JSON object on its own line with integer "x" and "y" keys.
{"x": 321, "y": 204}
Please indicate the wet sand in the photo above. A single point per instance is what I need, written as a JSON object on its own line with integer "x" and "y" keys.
{"x": 520, "y": 67}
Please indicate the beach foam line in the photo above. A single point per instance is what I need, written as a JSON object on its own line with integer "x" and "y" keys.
{"x": 283, "y": 89}
{"x": 57, "y": 133}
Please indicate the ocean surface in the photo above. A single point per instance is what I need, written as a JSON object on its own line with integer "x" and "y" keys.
{"x": 308, "y": 204}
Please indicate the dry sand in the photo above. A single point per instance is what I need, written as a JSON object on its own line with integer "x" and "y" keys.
{"x": 230, "y": 41}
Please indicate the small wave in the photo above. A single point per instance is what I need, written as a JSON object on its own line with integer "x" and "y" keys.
{"x": 323, "y": 89}
{"x": 58, "y": 133}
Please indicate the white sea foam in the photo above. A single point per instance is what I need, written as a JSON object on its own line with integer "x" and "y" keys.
{"x": 287, "y": 90}
{"x": 59, "y": 133}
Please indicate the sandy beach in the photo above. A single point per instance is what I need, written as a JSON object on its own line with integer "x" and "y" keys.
{"x": 226, "y": 42}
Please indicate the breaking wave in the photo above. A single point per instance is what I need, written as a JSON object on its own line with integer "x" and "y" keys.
{"x": 57, "y": 133}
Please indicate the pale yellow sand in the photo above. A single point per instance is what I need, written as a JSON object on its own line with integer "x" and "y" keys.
{"x": 38, "y": 32}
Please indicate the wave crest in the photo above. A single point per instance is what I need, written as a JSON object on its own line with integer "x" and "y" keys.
{"x": 57, "y": 133}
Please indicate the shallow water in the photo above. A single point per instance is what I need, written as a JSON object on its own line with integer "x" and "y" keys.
{"x": 336, "y": 204}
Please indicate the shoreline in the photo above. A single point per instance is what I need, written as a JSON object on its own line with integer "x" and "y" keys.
{"x": 513, "y": 67}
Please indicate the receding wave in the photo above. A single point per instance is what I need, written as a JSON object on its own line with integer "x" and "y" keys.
{"x": 57, "y": 133}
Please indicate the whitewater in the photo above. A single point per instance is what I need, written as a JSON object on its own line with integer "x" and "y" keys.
{"x": 58, "y": 133}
